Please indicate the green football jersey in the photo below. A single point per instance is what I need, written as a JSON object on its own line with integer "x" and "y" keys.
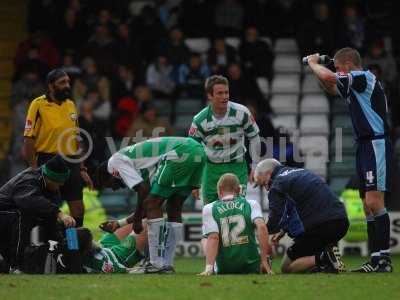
{"x": 223, "y": 138}
{"x": 113, "y": 255}
{"x": 233, "y": 219}
{"x": 104, "y": 261}
{"x": 139, "y": 162}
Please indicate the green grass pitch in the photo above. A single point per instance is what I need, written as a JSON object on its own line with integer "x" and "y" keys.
{"x": 187, "y": 285}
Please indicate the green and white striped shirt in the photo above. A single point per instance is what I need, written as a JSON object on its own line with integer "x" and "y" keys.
{"x": 223, "y": 139}
{"x": 137, "y": 163}
{"x": 104, "y": 261}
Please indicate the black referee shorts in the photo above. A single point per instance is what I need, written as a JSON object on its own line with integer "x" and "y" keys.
{"x": 73, "y": 187}
{"x": 314, "y": 240}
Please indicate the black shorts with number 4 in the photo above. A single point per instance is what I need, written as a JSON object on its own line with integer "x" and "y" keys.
{"x": 315, "y": 239}
{"x": 373, "y": 163}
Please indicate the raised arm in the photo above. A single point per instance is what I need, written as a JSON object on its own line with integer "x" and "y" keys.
{"x": 324, "y": 75}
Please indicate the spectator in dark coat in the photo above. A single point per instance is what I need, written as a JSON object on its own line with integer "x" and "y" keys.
{"x": 124, "y": 84}
{"x": 128, "y": 51}
{"x": 102, "y": 48}
{"x": 316, "y": 35}
{"x": 71, "y": 32}
{"x": 220, "y": 56}
{"x": 175, "y": 48}
{"x": 192, "y": 77}
{"x": 256, "y": 55}
{"x": 244, "y": 89}
{"x": 148, "y": 31}
{"x": 352, "y": 32}
{"x": 378, "y": 56}
{"x": 46, "y": 51}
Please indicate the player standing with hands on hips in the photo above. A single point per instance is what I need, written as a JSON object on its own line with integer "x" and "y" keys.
{"x": 368, "y": 110}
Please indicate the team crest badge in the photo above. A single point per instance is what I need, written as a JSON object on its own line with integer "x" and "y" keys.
{"x": 73, "y": 116}
{"x": 28, "y": 125}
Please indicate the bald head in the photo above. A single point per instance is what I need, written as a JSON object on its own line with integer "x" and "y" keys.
{"x": 228, "y": 184}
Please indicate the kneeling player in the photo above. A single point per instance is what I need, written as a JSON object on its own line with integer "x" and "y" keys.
{"x": 115, "y": 252}
{"x": 229, "y": 225}
{"x": 158, "y": 169}
{"x": 303, "y": 206}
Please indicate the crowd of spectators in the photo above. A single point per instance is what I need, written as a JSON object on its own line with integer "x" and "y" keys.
{"x": 120, "y": 59}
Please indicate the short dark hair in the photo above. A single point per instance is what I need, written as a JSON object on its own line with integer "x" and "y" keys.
{"x": 213, "y": 80}
{"x": 85, "y": 239}
{"x": 101, "y": 175}
{"x": 348, "y": 54}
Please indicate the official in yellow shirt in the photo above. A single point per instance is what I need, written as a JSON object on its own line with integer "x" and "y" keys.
{"x": 52, "y": 128}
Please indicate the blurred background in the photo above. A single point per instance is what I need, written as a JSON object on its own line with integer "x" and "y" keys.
{"x": 138, "y": 65}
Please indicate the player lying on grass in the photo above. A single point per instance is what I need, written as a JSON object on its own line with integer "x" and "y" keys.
{"x": 229, "y": 225}
{"x": 158, "y": 169}
{"x": 304, "y": 207}
{"x": 115, "y": 252}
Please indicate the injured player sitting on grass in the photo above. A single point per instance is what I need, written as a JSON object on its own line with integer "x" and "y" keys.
{"x": 229, "y": 224}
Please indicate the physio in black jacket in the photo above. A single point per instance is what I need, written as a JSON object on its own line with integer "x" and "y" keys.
{"x": 26, "y": 200}
{"x": 302, "y": 205}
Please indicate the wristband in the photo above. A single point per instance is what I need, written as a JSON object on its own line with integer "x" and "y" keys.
{"x": 209, "y": 269}
{"x": 122, "y": 222}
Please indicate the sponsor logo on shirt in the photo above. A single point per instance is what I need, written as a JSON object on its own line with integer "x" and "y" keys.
{"x": 107, "y": 267}
{"x": 28, "y": 125}
{"x": 73, "y": 116}
{"x": 192, "y": 131}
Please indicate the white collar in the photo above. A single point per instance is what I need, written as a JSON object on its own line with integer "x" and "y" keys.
{"x": 228, "y": 197}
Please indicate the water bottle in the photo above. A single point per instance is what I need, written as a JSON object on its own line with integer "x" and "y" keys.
{"x": 323, "y": 60}
{"x": 72, "y": 239}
